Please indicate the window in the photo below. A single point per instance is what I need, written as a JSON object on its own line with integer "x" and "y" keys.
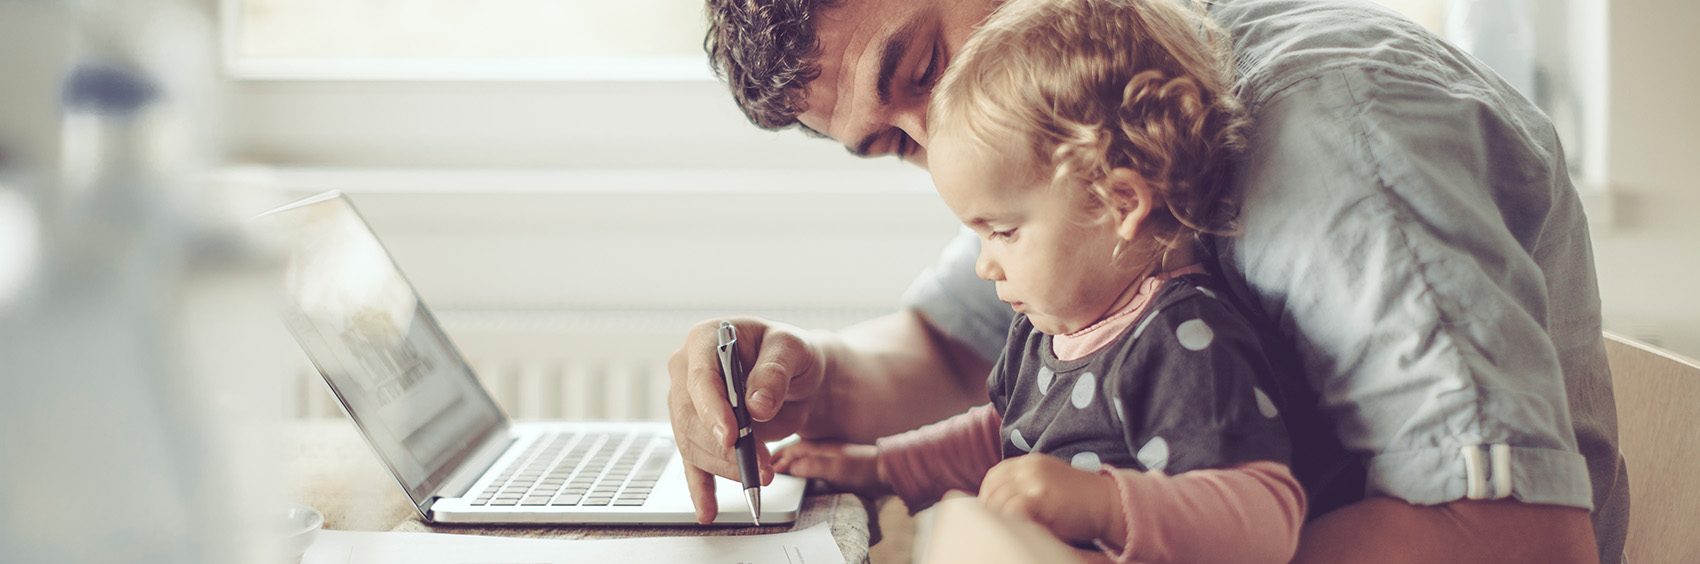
{"x": 561, "y": 84}
{"x": 564, "y": 155}
{"x": 376, "y": 39}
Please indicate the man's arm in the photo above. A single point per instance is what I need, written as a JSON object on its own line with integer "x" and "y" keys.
{"x": 892, "y": 374}
{"x": 1387, "y": 530}
{"x": 1413, "y": 237}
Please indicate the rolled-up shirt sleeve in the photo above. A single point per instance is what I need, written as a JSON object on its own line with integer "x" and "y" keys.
{"x": 1396, "y": 243}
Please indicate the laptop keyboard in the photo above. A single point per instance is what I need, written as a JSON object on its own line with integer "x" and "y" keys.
{"x": 582, "y": 469}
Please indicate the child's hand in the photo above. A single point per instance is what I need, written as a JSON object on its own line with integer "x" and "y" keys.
{"x": 846, "y": 466}
{"x": 1074, "y": 504}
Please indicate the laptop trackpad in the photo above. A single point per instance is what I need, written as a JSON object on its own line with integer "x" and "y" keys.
{"x": 780, "y": 501}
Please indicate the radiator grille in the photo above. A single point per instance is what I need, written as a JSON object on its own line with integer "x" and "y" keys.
{"x": 565, "y": 365}
{"x": 616, "y": 390}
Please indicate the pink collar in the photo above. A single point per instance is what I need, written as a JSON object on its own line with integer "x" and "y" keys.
{"x": 1078, "y": 344}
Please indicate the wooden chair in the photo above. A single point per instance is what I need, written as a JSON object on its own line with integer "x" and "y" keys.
{"x": 1658, "y": 430}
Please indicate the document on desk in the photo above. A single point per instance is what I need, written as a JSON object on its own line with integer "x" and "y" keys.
{"x": 813, "y": 545}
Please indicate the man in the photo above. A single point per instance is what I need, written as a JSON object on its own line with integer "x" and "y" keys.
{"x": 1409, "y": 227}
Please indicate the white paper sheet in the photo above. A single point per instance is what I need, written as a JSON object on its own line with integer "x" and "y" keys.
{"x": 813, "y": 545}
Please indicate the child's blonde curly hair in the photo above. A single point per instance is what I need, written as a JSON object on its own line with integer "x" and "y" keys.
{"x": 1095, "y": 85}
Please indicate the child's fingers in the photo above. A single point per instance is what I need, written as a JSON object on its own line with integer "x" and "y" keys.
{"x": 1020, "y": 506}
{"x": 1009, "y": 490}
{"x": 998, "y": 476}
{"x": 800, "y": 448}
{"x": 781, "y": 462}
{"x": 1015, "y": 501}
{"x": 788, "y": 455}
{"x": 812, "y": 467}
{"x": 994, "y": 491}
{"x": 764, "y": 461}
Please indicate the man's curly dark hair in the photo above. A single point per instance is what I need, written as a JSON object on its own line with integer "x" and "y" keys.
{"x": 766, "y": 51}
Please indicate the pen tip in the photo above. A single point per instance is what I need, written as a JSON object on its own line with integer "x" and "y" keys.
{"x": 753, "y": 495}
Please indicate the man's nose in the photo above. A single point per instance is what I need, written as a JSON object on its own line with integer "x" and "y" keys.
{"x": 912, "y": 119}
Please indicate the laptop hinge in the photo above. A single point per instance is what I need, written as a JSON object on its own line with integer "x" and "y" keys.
{"x": 475, "y": 465}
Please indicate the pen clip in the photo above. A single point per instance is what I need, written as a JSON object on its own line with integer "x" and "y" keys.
{"x": 728, "y": 350}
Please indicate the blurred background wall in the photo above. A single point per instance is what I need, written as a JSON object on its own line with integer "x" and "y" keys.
{"x": 569, "y": 210}
{"x": 1649, "y": 257}
{"x": 570, "y": 224}
{"x": 1642, "y": 200}
{"x": 569, "y": 216}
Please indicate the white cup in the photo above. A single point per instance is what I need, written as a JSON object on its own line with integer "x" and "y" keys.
{"x": 301, "y": 523}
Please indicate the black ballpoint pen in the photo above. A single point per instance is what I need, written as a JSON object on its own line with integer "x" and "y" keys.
{"x": 733, "y": 371}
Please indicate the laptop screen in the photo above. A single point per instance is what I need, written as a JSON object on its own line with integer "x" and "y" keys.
{"x": 378, "y": 347}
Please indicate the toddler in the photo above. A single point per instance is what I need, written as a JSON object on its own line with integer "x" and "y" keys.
{"x": 1089, "y": 144}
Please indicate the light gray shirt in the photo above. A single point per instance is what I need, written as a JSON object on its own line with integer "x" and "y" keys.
{"x": 1410, "y": 226}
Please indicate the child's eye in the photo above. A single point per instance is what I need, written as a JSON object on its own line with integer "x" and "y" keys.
{"x": 1002, "y": 235}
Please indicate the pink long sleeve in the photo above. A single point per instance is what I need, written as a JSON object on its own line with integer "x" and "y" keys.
{"x": 953, "y": 454}
{"x": 1249, "y": 513}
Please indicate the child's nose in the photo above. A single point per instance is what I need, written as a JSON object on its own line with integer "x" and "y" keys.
{"x": 986, "y": 268}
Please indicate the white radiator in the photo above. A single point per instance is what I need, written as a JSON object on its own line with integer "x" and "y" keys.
{"x": 606, "y": 365}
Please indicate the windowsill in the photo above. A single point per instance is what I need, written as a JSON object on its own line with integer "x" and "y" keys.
{"x": 900, "y": 180}
{"x": 641, "y": 239}
{"x": 693, "y": 68}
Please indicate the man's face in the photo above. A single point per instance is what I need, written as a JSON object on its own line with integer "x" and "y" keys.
{"x": 879, "y": 61}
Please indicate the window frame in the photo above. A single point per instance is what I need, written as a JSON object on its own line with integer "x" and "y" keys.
{"x": 584, "y": 113}
{"x": 648, "y": 68}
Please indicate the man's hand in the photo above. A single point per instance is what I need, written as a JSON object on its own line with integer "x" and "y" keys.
{"x": 888, "y": 374}
{"x": 1074, "y": 504}
{"x": 846, "y": 466}
{"x": 784, "y": 380}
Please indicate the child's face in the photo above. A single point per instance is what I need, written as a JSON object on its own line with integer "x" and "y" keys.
{"x": 1038, "y": 243}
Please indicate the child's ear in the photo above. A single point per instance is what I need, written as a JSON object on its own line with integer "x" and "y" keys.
{"x": 1134, "y": 201}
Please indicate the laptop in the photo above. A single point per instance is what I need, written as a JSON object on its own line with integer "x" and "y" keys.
{"x": 435, "y": 427}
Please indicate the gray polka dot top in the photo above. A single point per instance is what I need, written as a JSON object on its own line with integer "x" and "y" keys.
{"x": 1177, "y": 391}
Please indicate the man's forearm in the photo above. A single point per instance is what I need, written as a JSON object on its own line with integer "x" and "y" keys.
{"x": 893, "y": 374}
{"x": 1386, "y": 530}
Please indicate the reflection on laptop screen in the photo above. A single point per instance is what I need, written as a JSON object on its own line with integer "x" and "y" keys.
{"x": 379, "y": 348}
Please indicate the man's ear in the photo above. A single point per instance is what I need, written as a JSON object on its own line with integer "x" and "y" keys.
{"x": 1134, "y": 199}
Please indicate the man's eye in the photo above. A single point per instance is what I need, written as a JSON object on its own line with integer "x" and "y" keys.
{"x": 931, "y": 74}
{"x": 903, "y": 146}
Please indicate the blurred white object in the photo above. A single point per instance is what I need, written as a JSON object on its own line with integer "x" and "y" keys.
{"x": 1501, "y": 34}
{"x": 301, "y": 525}
{"x": 19, "y": 244}
{"x": 132, "y": 348}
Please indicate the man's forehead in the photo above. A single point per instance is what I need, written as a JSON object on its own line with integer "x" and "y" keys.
{"x": 820, "y": 100}
{"x": 851, "y": 35}
{"x": 838, "y": 29}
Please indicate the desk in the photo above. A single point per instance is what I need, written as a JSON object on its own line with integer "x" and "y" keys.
{"x": 330, "y": 468}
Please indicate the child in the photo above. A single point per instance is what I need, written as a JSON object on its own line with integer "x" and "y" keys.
{"x": 1089, "y": 142}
